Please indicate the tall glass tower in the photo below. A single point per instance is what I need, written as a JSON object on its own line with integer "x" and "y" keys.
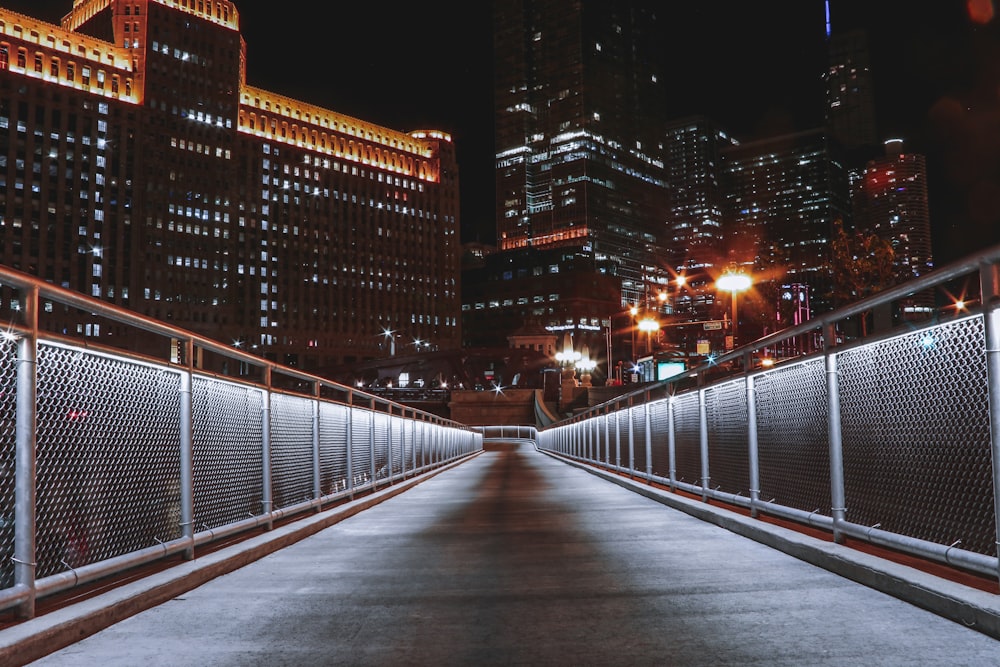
{"x": 579, "y": 134}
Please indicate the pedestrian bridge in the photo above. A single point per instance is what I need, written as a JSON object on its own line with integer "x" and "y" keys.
{"x": 116, "y": 462}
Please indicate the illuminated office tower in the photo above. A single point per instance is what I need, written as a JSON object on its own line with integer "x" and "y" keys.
{"x": 139, "y": 166}
{"x": 579, "y": 134}
{"x": 891, "y": 201}
{"x": 694, "y": 172}
{"x": 785, "y": 193}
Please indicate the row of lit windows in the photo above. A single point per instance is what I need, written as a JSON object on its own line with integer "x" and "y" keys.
{"x": 67, "y": 75}
{"x": 200, "y": 148}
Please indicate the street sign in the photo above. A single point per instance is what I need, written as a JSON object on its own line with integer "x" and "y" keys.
{"x": 712, "y": 326}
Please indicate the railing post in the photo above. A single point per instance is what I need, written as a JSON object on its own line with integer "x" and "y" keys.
{"x": 752, "y": 454}
{"x": 267, "y": 502}
{"x": 671, "y": 443}
{"x": 317, "y": 483}
{"x": 373, "y": 471}
{"x": 607, "y": 437}
{"x": 631, "y": 441}
{"x": 618, "y": 440}
{"x": 838, "y": 501}
{"x": 187, "y": 449}
{"x": 388, "y": 440}
{"x": 350, "y": 445}
{"x": 649, "y": 440}
{"x": 24, "y": 476}
{"x": 703, "y": 443}
{"x": 989, "y": 277}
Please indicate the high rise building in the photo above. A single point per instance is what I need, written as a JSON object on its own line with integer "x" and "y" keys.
{"x": 138, "y": 165}
{"x": 579, "y": 134}
{"x": 850, "y": 97}
{"x": 785, "y": 193}
{"x": 891, "y": 201}
{"x": 698, "y": 210}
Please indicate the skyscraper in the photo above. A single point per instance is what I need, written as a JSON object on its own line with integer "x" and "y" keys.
{"x": 579, "y": 134}
{"x": 698, "y": 209}
{"x": 785, "y": 193}
{"x": 891, "y": 201}
{"x": 137, "y": 165}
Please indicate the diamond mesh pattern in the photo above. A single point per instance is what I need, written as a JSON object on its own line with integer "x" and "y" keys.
{"x": 227, "y": 460}
{"x": 332, "y": 447}
{"x": 291, "y": 449}
{"x": 381, "y": 446}
{"x": 728, "y": 454}
{"x": 8, "y": 415}
{"x": 639, "y": 433}
{"x": 687, "y": 438}
{"x": 659, "y": 418}
{"x": 108, "y": 457}
{"x": 361, "y": 448}
{"x": 396, "y": 448}
{"x": 916, "y": 436}
{"x": 792, "y": 443}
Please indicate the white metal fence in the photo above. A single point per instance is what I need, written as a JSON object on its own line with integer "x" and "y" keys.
{"x": 891, "y": 438}
{"x": 109, "y": 459}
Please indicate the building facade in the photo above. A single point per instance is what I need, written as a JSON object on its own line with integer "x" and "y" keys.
{"x": 578, "y": 133}
{"x": 785, "y": 194}
{"x": 140, "y": 167}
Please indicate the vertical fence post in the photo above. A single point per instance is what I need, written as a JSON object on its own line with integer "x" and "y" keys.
{"x": 703, "y": 443}
{"x": 631, "y": 440}
{"x": 607, "y": 437}
{"x": 186, "y": 471}
{"x": 835, "y": 438}
{"x": 373, "y": 466}
{"x": 390, "y": 471}
{"x": 24, "y": 475}
{"x": 267, "y": 502}
{"x": 618, "y": 440}
{"x": 317, "y": 477}
{"x": 350, "y": 444}
{"x": 649, "y": 440}
{"x": 752, "y": 453}
{"x": 671, "y": 443}
{"x": 989, "y": 278}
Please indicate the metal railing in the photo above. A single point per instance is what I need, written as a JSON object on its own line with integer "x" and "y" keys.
{"x": 111, "y": 459}
{"x": 891, "y": 438}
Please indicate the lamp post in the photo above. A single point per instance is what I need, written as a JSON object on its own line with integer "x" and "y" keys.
{"x": 634, "y": 312}
{"x": 649, "y": 325}
{"x": 734, "y": 282}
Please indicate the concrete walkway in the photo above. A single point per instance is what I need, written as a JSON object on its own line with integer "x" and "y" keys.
{"x": 516, "y": 558}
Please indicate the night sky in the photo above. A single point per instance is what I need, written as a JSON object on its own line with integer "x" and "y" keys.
{"x": 756, "y": 67}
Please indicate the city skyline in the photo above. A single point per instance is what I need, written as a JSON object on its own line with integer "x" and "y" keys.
{"x": 935, "y": 71}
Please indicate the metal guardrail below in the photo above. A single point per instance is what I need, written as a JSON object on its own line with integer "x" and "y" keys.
{"x": 891, "y": 438}
{"x": 110, "y": 459}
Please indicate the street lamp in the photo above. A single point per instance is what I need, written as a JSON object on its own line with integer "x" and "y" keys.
{"x": 634, "y": 312}
{"x": 733, "y": 282}
{"x": 649, "y": 325}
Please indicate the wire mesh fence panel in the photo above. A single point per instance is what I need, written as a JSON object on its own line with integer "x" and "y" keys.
{"x": 361, "y": 447}
{"x": 291, "y": 449}
{"x": 332, "y": 447}
{"x": 381, "y": 446}
{"x": 108, "y": 457}
{"x": 398, "y": 465}
{"x": 8, "y": 435}
{"x": 687, "y": 436}
{"x": 659, "y": 418}
{"x": 227, "y": 454}
{"x": 639, "y": 434}
{"x": 915, "y": 414}
{"x": 728, "y": 453}
{"x": 792, "y": 443}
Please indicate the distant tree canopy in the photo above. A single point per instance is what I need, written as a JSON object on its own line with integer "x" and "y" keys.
{"x": 863, "y": 264}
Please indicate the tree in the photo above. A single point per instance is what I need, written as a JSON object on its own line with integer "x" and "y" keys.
{"x": 862, "y": 265}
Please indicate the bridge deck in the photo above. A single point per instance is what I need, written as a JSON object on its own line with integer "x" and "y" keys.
{"x": 515, "y": 558}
